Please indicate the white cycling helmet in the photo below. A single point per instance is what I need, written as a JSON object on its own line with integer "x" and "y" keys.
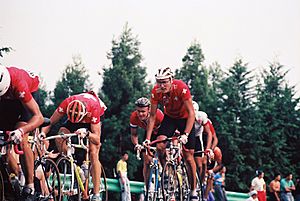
{"x": 164, "y": 73}
{"x": 195, "y": 105}
{"x": 201, "y": 117}
{"x": 4, "y": 80}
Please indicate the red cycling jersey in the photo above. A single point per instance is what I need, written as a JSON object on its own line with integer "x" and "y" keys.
{"x": 22, "y": 84}
{"x": 173, "y": 101}
{"x": 94, "y": 106}
{"x": 136, "y": 122}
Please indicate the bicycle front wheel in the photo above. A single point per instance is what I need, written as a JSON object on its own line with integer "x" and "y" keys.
{"x": 103, "y": 185}
{"x": 69, "y": 182}
{"x": 152, "y": 187}
{"x": 48, "y": 179}
{"x": 1, "y": 187}
{"x": 185, "y": 182}
{"x": 171, "y": 187}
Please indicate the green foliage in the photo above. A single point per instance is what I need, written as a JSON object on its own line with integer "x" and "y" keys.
{"x": 278, "y": 122}
{"x": 123, "y": 82}
{"x": 74, "y": 80}
{"x": 236, "y": 114}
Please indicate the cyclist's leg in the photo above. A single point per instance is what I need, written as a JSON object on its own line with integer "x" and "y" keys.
{"x": 146, "y": 168}
{"x": 188, "y": 153}
{"x": 61, "y": 143}
{"x": 10, "y": 110}
{"x": 95, "y": 166}
{"x": 166, "y": 129}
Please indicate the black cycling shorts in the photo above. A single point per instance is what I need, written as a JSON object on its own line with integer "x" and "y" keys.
{"x": 170, "y": 125}
{"x": 13, "y": 111}
{"x": 200, "y": 144}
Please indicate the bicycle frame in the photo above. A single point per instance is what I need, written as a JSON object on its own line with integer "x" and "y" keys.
{"x": 69, "y": 155}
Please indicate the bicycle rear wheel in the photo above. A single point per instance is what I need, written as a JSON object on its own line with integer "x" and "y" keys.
{"x": 171, "y": 187}
{"x": 70, "y": 191}
{"x": 151, "y": 193}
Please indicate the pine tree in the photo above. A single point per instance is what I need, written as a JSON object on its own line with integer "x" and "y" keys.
{"x": 123, "y": 82}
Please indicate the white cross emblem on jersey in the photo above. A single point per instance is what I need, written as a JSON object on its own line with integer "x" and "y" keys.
{"x": 94, "y": 119}
{"x": 184, "y": 91}
{"x": 22, "y": 94}
{"x": 60, "y": 109}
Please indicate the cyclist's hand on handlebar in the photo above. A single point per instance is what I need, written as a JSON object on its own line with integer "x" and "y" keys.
{"x": 82, "y": 132}
{"x": 138, "y": 147}
{"x": 16, "y": 136}
{"x": 146, "y": 143}
{"x": 183, "y": 138}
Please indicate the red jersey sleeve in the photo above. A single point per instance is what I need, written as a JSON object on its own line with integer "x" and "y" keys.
{"x": 133, "y": 122}
{"x": 62, "y": 108}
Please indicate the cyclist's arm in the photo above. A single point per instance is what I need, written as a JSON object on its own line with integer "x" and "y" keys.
{"x": 215, "y": 139}
{"x": 152, "y": 118}
{"x": 37, "y": 118}
{"x": 191, "y": 118}
{"x": 134, "y": 136}
{"x": 56, "y": 116}
{"x": 209, "y": 135}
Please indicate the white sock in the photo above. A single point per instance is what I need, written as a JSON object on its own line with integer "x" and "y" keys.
{"x": 194, "y": 192}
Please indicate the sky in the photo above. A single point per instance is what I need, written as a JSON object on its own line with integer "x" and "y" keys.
{"x": 45, "y": 35}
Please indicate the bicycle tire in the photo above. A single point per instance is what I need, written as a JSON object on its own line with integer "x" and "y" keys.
{"x": 152, "y": 190}
{"x": 103, "y": 185}
{"x": 185, "y": 182}
{"x": 1, "y": 187}
{"x": 171, "y": 188}
{"x": 64, "y": 168}
{"x": 199, "y": 187}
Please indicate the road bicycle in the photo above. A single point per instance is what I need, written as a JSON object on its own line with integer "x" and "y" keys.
{"x": 47, "y": 179}
{"x": 76, "y": 183}
{"x": 153, "y": 192}
{"x": 175, "y": 183}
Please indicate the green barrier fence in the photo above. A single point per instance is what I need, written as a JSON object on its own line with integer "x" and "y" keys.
{"x": 138, "y": 188}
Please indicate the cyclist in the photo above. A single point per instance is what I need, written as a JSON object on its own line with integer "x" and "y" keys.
{"x": 174, "y": 95}
{"x": 204, "y": 131}
{"x": 83, "y": 111}
{"x": 213, "y": 167}
{"x": 20, "y": 114}
{"x": 140, "y": 118}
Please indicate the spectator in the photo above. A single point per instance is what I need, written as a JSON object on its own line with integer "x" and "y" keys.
{"x": 275, "y": 188}
{"x": 219, "y": 184}
{"x": 123, "y": 179}
{"x": 253, "y": 196}
{"x": 259, "y": 184}
{"x": 286, "y": 188}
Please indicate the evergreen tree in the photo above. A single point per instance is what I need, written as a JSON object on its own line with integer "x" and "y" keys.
{"x": 278, "y": 122}
{"x": 236, "y": 112}
{"x": 74, "y": 80}
{"x": 123, "y": 82}
{"x": 195, "y": 75}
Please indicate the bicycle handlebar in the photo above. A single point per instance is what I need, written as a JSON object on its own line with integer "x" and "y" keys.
{"x": 69, "y": 135}
{"x": 149, "y": 150}
{"x": 7, "y": 142}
